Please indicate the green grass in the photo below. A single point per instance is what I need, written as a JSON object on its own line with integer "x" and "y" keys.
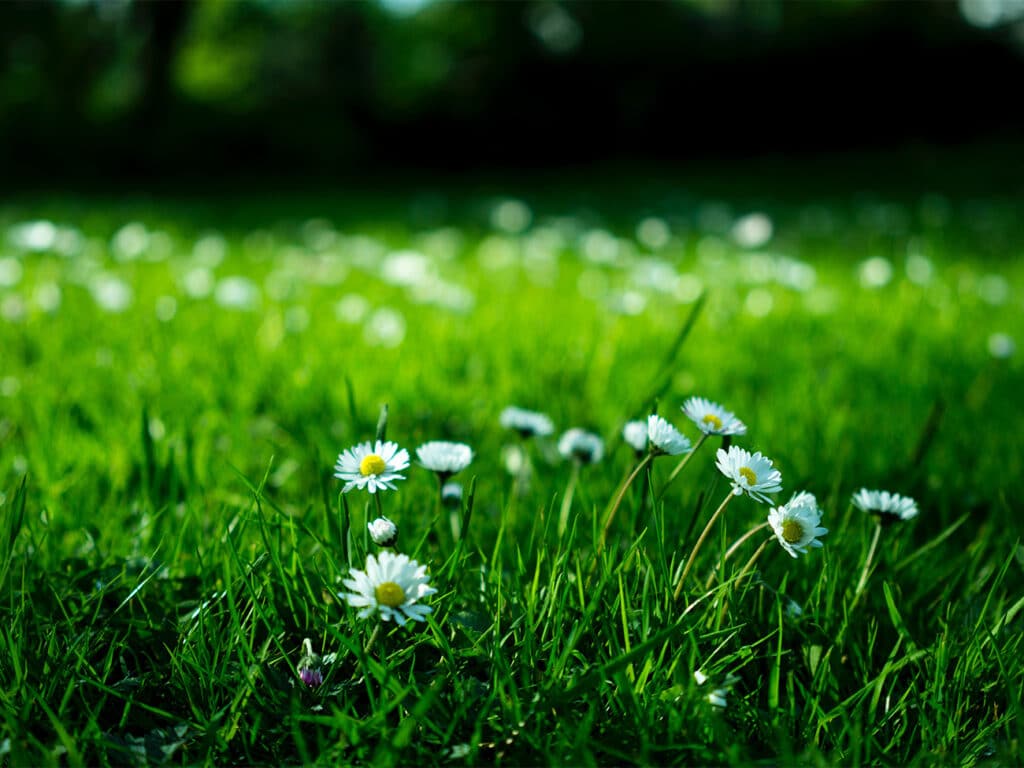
{"x": 170, "y": 530}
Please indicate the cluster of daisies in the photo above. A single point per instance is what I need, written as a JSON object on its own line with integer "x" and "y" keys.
{"x": 393, "y": 587}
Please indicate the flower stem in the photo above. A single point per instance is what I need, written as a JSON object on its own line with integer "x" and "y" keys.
{"x": 570, "y": 490}
{"x": 614, "y": 506}
{"x": 729, "y": 552}
{"x": 862, "y": 582}
{"x": 696, "y": 547}
{"x": 373, "y": 639}
{"x": 679, "y": 467}
{"x": 753, "y": 559}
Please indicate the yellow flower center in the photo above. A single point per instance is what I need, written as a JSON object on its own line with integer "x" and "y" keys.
{"x": 792, "y": 531}
{"x": 713, "y": 420}
{"x": 747, "y": 474}
{"x": 372, "y": 464}
{"x": 389, "y": 594}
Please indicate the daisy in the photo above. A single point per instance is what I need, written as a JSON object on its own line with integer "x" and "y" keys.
{"x": 383, "y": 532}
{"x": 795, "y": 523}
{"x": 444, "y": 458}
{"x": 526, "y": 423}
{"x": 664, "y": 438}
{"x": 711, "y": 418}
{"x": 308, "y": 668}
{"x": 451, "y": 494}
{"x": 582, "y": 446}
{"x": 635, "y": 435}
{"x": 391, "y": 585}
{"x": 750, "y": 474}
{"x": 371, "y": 466}
{"x": 889, "y": 507}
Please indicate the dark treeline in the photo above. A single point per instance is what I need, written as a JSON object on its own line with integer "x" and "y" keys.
{"x": 180, "y": 89}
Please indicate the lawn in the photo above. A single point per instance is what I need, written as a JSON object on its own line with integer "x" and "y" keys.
{"x": 179, "y": 376}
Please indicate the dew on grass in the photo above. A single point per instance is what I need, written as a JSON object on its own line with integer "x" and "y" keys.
{"x": 237, "y": 292}
{"x": 166, "y": 308}
{"x": 384, "y": 328}
{"x": 511, "y": 216}
{"x": 653, "y": 233}
{"x": 352, "y": 308}
{"x": 753, "y": 230}
{"x": 111, "y": 293}
{"x": 875, "y": 272}
{"x": 130, "y": 241}
{"x": 47, "y": 296}
{"x": 11, "y": 272}
{"x": 35, "y": 236}
{"x": 1001, "y": 346}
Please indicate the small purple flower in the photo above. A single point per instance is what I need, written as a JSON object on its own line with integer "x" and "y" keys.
{"x": 309, "y": 666}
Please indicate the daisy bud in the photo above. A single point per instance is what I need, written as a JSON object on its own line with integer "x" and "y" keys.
{"x": 383, "y": 532}
{"x": 451, "y": 495}
{"x": 309, "y": 666}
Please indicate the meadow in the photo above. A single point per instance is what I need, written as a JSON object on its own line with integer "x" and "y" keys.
{"x": 179, "y": 377}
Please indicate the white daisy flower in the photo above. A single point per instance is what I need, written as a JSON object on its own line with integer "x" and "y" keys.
{"x": 750, "y": 474}
{"x": 526, "y": 423}
{"x": 888, "y": 506}
{"x": 371, "y": 466}
{"x": 392, "y": 585}
{"x": 716, "y": 697}
{"x": 711, "y": 418}
{"x": 664, "y": 438}
{"x": 444, "y": 458}
{"x": 795, "y": 523}
{"x": 582, "y": 446}
{"x": 383, "y": 532}
{"x": 635, "y": 435}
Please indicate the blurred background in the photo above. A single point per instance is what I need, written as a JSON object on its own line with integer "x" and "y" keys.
{"x": 111, "y": 90}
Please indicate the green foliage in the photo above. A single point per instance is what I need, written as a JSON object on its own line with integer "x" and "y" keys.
{"x": 170, "y": 531}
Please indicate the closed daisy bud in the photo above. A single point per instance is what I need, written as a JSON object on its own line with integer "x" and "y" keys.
{"x": 309, "y": 669}
{"x": 451, "y": 494}
{"x": 383, "y": 532}
{"x": 635, "y": 435}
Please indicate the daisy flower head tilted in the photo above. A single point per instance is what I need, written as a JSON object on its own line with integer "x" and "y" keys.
{"x": 391, "y": 585}
{"x": 635, "y": 435}
{"x": 526, "y": 423}
{"x": 444, "y": 458}
{"x": 888, "y": 507}
{"x": 795, "y": 523}
{"x": 664, "y": 438}
{"x": 580, "y": 445}
{"x": 371, "y": 466}
{"x": 751, "y": 474}
{"x": 711, "y": 418}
